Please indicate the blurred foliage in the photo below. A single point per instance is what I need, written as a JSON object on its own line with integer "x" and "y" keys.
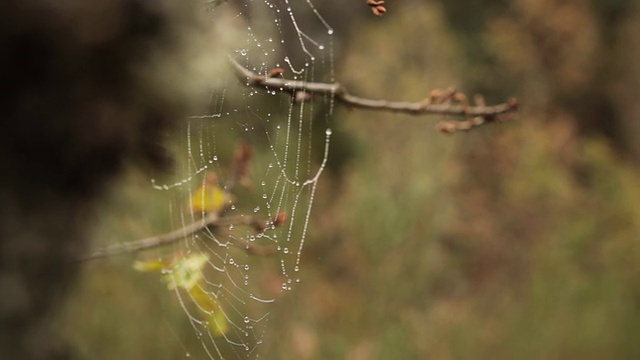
{"x": 516, "y": 240}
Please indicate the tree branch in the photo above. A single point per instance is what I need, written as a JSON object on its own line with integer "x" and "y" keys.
{"x": 187, "y": 230}
{"x": 449, "y": 103}
{"x": 438, "y": 103}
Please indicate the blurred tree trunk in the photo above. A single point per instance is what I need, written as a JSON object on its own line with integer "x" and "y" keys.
{"x": 74, "y": 110}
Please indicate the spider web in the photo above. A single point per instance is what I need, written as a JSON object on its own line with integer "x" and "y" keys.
{"x": 261, "y": 150}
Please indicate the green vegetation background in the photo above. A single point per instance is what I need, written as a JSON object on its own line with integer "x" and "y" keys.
{"x": 518, "y": 240}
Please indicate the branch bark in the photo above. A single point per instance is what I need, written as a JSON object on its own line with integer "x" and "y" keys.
{"x": 448, "y": 103}
{"x": 342, "y": 95}
{"x": 187, "y": 230}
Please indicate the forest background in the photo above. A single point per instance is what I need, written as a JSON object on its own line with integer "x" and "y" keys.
{"x": 515, "y": 240}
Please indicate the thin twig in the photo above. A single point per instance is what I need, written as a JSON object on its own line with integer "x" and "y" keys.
{"x": 250, "y": 78}
{"x": 187, "y": 230}
{"x": 477, "y": 115}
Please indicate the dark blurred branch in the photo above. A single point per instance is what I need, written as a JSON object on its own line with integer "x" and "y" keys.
{"x": 210, "y": 220}
{"x": 450, "y": 102}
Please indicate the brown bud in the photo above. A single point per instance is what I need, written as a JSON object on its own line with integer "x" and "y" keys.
{"x": 243, "y": 153}
{"x": 275, "y": 72}
{"x": 211, "y": 179}
{"x": 280, "y": 218}
{"x": 434, "y": 95}
{"x": 446, "y": 127}
{"x": 379, "y": 10}
{"x": 376, "y": 7}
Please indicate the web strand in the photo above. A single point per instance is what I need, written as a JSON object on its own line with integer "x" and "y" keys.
{"x": 219, "y": 283}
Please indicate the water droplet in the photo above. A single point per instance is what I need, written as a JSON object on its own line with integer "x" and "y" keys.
{"x": 264, "y": 196}
{"x": 286, "y": 250}
{"x": 328, "y": 132}
{"x": 256, "y": 209}
{"x": 215, "y": 158}
{"x": 231, "y": 261}
{"x": 296, "y": 268}
{"x": 321, "y": 47}
{"x": 246, "y": 319}
{"x": 246, "y": 267}
{"x": 330, "y": 31}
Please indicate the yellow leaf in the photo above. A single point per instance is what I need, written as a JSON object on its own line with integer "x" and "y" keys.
{"x": 148, "y": 266}
{"x": 186, "y": 273}
{"x": 209, "y": 197}
{"x": 205, "y": 301}
{"x": 208, "y": 303}
{"x": 218, "y": 323}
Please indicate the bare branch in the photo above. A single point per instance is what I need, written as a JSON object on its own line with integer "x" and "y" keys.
{"x": 448, "y": 102}
{"x": 424, "y": 107}
{"x": 187, "y": 230}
